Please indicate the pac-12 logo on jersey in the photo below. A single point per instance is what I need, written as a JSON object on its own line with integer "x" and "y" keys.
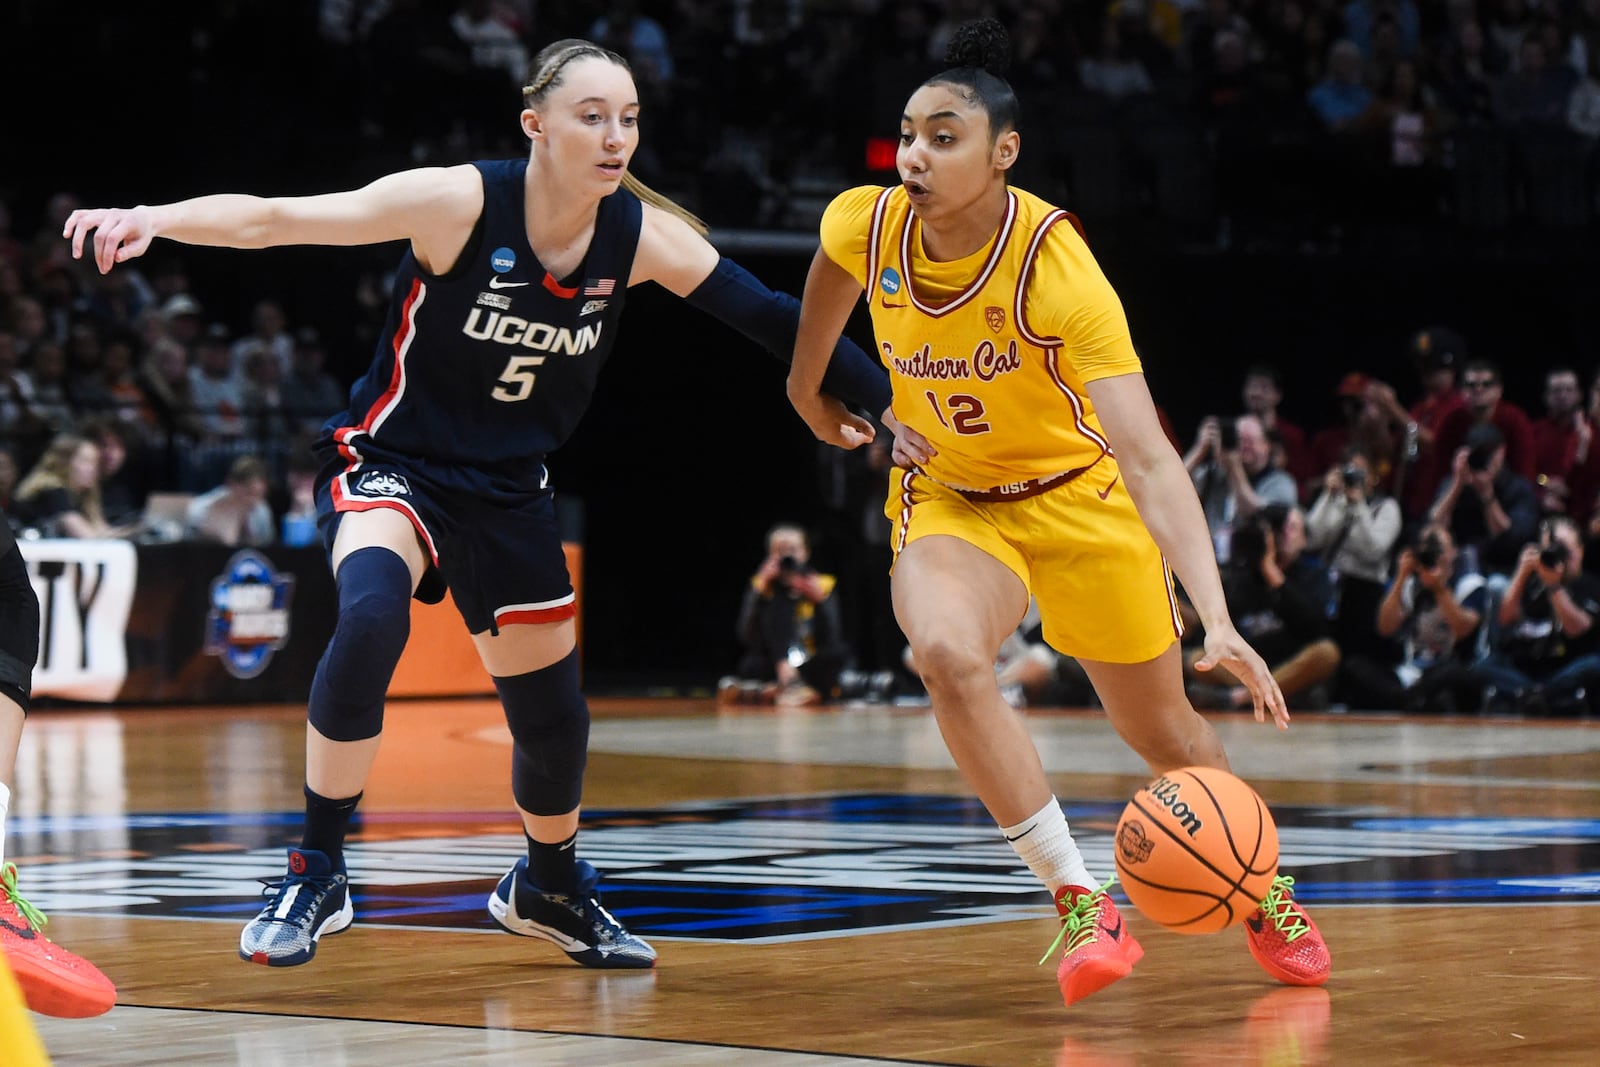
{"x": 382, "y": 483}
{"x": 889, "y": 281}
{"x": 502, "y": 259}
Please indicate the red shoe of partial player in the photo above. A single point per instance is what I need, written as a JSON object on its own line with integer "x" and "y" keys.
{"x": 53, "y": 980}
{"x": 1285, "y": 941}
{"x": 1098, "y": 949}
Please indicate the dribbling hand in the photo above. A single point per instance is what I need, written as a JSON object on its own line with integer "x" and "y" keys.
{"x": 1227, "y": 648}
{"x": 120, "y": 234}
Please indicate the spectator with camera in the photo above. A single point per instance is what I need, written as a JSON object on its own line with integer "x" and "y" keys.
{"x": 1353, "y": 528}
{"x": 1231, "y": 465}
{"x": 1483, "y": 392}
{"x": 1436, "y": 615}
{"x": 1279, "y": 603}
{"x": 1562, "y": 440}
{"x": 789, "y": 628}
{"x": 1435, "y": 353}
{"x": 1489, "y": 509}
{"x": 1547, "y": 655}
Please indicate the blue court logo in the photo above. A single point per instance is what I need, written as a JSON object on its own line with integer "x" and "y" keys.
{"x": 502, "y": 259}
{"x": 889, "y": 280}
{"x": 249, "y": 616}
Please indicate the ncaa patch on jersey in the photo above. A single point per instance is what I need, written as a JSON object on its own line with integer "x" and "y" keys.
{"x": 382, "y": 483}
{"x": 889, "y": 281}
{"x": 502, "y": 259}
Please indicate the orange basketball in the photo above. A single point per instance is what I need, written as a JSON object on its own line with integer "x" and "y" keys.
{"x": 1196, "y": 850}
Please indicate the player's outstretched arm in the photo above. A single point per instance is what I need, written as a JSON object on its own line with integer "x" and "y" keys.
{"x": 674, "y": 255}
{"x": 1164, "y": 494}
{"x": 830, "y": 294}
{"x": 425, "y": 206}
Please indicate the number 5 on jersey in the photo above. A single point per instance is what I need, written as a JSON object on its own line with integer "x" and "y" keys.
{"x": 965, "y": 412}
{"x": 516, "y": 381}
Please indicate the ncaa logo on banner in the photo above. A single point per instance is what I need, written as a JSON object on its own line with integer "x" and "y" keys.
{"x": 249, "y": 616}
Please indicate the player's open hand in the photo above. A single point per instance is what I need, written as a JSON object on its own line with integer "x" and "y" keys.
{"x": 120, "y": 234}
{"x": 832, "y": 422}
{"x": 1224, "y": 646}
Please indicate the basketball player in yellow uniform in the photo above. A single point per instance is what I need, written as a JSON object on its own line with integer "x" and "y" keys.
{"x": 1030, "y": 460}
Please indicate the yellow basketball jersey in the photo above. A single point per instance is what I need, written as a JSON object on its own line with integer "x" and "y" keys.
{"x": 988, "y": 354}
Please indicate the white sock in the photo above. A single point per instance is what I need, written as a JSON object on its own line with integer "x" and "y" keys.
{"x": 1046, "y": 846}
{"x": 5, "y": 805}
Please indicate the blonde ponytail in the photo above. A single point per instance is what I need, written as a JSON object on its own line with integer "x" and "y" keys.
{"x": 670, "y": 206}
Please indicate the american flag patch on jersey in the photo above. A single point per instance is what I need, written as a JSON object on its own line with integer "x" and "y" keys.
{"x": 599, "y": 286}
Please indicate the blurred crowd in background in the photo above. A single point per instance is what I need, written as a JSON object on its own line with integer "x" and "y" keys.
{"x": 129, "y": 407}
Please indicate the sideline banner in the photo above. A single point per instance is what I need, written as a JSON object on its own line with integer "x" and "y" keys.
{"x": 86, "y": 590}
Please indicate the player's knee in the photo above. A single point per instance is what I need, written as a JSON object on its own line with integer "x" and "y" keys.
{"x": 549, "y": 722}
{"x": 949, "y": 664}
{"x": 19, "y": 627}
{"x": 374, "y": 622}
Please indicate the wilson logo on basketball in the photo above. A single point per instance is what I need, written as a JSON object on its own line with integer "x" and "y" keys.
{"x": 1166, "y": 791}
{"x": 1133, "y": 844}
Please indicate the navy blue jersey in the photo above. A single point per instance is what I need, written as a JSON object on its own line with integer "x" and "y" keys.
{"x": 491, "y": 365}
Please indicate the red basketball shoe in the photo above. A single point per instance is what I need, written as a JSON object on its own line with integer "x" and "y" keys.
{"x": 1098, "y": 947}
{"x": 1285, "y": 941}
{"x": 53, "y": 980}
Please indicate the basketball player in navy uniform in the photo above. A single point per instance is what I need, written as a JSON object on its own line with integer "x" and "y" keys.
{"x": 503, "y": 311}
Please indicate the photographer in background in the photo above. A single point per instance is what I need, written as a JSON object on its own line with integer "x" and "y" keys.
{"x": 1547, "y": 656}
{"x": 1279, "y": 604}
{"x": 1436, "y": 616}
{"x": 1490, "y": 510}
{"x": 1231, "y": 465}
{"x": 1353, "y": 528}
{"x": 789, "y": 628}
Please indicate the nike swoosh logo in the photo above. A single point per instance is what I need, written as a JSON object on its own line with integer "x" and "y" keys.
{"x": 25, "y": 934}
{"x": 1106, "y": 492}
{"x": 496, "y": 283}
{"x": 1255, "y": 924}
{"x": 1020, "y": 836}
{"x": 1115, "y": 932}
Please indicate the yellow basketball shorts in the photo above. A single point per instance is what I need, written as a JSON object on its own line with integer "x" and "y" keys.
{"x": 1104, "y": 589}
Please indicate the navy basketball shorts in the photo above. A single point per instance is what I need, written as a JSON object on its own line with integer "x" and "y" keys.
{"x": 499, "y": 552}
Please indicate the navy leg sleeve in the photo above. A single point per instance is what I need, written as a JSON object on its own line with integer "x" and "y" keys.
{"x": 549, "y": 722}
{"x": 374, "y": 621}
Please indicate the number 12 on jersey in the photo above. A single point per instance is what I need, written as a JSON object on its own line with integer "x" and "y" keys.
{"x": 961, "y": 412}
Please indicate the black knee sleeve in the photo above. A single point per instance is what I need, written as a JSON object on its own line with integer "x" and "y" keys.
{"x": 19, "y": 623}
{"x": 374, "y": 622}
{"x": 549, "y": 722}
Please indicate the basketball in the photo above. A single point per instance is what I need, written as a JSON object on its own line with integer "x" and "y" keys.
{"x": 1196, "y": 850}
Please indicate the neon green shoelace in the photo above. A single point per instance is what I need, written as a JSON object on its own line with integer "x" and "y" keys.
{"x": 8, "y": 884}
{"x": 1078, "y": 924}
{"x": 1279, "y": 907}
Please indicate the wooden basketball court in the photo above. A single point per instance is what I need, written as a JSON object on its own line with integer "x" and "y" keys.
{"x": 821, "y": 888}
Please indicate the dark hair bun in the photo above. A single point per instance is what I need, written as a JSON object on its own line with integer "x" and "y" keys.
{"x": 982, "y": 44}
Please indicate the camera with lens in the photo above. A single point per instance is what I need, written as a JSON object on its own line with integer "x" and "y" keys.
{"x": 1428, "y": 551}
{"x": 1354, "y": 477}
{"x": 1478, "y": 457}
{"x": 788, "y": 565}
{"x": 1227, "y": 434}
{"x": 1553, "y": 555}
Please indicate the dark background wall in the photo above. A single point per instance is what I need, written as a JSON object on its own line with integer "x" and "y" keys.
{"x": 690, "y": 451}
